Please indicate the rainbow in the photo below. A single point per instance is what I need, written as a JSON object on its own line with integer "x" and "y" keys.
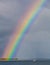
{"x": 24, "y": 23}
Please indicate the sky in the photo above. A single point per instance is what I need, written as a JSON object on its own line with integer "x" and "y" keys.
{"x": 36, "y": 43}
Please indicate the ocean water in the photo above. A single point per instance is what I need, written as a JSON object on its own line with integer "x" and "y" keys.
{"x": 26, "y": 63}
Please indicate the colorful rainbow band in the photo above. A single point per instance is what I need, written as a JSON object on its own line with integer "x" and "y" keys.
{"x": 26, "y": 21}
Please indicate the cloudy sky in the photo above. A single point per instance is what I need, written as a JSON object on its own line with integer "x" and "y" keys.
{"x": 36, "y": 43}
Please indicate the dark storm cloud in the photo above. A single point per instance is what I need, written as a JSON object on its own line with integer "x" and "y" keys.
{"x": 9, "y": 10}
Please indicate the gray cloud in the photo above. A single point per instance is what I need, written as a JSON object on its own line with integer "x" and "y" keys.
{"x": 47, "y": 5}
{"x": 36, "y": 43}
